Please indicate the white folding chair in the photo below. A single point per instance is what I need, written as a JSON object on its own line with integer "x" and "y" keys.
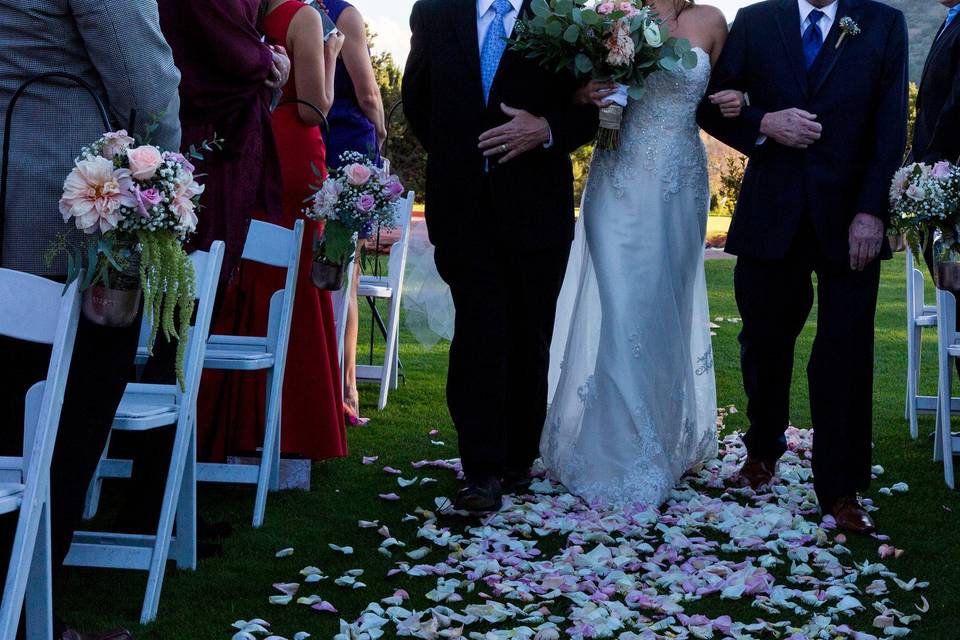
{"x": 920, "y": 315}
{"x": 946, "y": 444}
{"x": 278, "y": 247}
{"x": 34, "y": 310}
{"x": 152, "y": 406}
{"x": 341, "y": 307}
{"x": 389, "y": 287}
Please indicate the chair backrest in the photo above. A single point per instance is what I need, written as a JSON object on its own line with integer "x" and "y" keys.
{"x": 398, "y": 252}
{"x": 269, "y": 244}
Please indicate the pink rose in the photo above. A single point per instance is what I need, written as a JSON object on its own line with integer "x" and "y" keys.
{"x": 145, "y": 200}
{"x": 915, "y": 193}
{"x": 144, "y": 162}
{"x": 394, "y": 189}
{"x": 357, "y": 174}
{"x": 941, "y": 170}
{"x": 180, "y": 159}
{"x": 115, "y": 142}
{"x": 366, "y": 203}
{"x": 605, "y": 8}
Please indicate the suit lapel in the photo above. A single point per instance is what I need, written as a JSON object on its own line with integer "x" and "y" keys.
{"x": 944, "y": 35}
{"x": 788, "y": 21}
{"x": 831, "y": 53}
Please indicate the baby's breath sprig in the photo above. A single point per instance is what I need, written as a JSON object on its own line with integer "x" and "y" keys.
{"x": 848, "y": 27}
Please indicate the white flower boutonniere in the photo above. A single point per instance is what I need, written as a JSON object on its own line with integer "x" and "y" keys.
{"x": 848, "y": 27}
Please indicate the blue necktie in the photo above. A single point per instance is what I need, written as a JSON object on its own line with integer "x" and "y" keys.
{"x": 813, "y": 37}
{"x": 494, "y": 44}
{"x": 950, "y": 18}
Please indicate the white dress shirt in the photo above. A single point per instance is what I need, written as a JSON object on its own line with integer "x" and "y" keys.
{"x": 486, "y": 14}
{"x": 826, "y": 22}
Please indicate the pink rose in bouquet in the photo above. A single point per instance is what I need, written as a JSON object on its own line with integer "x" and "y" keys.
{"x": 116, "y": 142}
{"x": 146, "y": 199}
{"x": 394, "y": 189}
{"x": 366, "y": 203}
{"x": 606, "y": 8}
{"x": 94, "y": 193}
{"x": 144, "y": 161}
{"x": 357, "y": 174}
{"x": 180, "y": 159}
{"x": 941, "y": 170}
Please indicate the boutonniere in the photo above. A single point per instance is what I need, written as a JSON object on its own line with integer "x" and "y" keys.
{"x": 848, "y": 27}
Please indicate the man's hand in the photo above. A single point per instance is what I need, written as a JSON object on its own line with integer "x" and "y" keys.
{"x": 523, "y": 133}
{"x": 280, "y": 71}
{"x": 794, "y": 128}
{"x": 866, "y": 238}
{"x": 729, "y": 101}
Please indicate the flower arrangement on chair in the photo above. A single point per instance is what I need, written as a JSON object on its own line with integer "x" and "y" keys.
{"x": 353, "y": 199}
{"x": 925, "y": 203}
{"x": 623, "y": 42}
{"x": 136, "y": 206}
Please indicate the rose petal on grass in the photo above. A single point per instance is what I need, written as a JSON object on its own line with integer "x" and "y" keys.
{"x": 344, "y": 550}
{"x": 285, "y": 553}
{"x": 390, "y": 497}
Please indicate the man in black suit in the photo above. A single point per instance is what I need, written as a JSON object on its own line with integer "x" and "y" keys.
{"x": 936, "y": 133}
{"x": 498, "y": 130}
{"x": 825, "y": 131}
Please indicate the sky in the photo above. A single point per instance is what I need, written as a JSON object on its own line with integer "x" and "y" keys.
{"x": 389, "y": 20}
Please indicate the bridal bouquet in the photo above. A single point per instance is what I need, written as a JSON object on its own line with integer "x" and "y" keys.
{"x": 136, "y": 205}
{"x": 623, "y": 42}
{"x": 352, "y": 200}
{"x": 925, "y": 198}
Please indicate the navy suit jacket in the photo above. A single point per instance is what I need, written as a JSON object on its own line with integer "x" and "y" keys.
{"x": 858, "y": 92}
{"x": 936, "y": 135}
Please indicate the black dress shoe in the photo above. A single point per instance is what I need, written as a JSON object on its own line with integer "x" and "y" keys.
{"x": 480, "y": 496}
{"x": 516, "y": 481}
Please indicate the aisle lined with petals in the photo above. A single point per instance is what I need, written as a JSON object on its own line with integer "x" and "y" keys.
{"x": 547, "y": 566}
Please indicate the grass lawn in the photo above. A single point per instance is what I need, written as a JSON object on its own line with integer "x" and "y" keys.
{"x": 203, "y": 605}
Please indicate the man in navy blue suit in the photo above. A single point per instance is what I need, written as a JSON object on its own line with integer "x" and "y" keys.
{"x": 825, "y": 130}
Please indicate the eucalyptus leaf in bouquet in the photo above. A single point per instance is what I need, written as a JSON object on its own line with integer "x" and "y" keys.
{"x": 624, "y": 42}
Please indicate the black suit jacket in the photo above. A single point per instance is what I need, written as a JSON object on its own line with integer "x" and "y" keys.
{"x": 936, "y": 134}
{"x": 531, "y": 197}
{"x": 859, "y": 93}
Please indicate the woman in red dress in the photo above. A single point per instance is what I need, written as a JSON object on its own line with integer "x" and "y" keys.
{"x": 312, "y": 416}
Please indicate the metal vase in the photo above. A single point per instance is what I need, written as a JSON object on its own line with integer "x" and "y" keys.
{"x": 327, "y": 276}
{"x": 111, "y": 307}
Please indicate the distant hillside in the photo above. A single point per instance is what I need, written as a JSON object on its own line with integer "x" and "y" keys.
{"x": 923, "y": 20}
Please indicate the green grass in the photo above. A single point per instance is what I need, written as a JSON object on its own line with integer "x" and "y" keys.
{"x": 202, "y": 605}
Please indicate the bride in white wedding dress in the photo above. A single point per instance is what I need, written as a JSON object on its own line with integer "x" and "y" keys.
{"x": 633, "y": 399}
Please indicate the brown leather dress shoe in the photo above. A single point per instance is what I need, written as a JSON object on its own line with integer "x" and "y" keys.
{"x": 118, "y": 634}
{"x": 756, "y": 473}
{"x": 852, "y": 516}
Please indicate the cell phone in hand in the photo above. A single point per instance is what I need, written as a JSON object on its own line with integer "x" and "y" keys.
{"x": 329, "y": 26}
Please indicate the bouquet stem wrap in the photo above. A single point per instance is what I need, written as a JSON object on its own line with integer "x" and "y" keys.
{"x": 611, "y": 119}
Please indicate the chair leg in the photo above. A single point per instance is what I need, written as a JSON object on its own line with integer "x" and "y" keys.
{"x": 92, "y": 504}
{"x": 39, "y": 594}
{"x": 395, "y": 378}
{"x": 913, "y": 381}
{"x": 275, "y": 465}
{"x": 183, "y": 547}
{"x": 944, "y": 436}
{"x": 271, "y": 439}
{"x": 171, "y": 496}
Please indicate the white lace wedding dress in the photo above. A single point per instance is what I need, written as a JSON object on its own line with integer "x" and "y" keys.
{"x": 633, "y": 399}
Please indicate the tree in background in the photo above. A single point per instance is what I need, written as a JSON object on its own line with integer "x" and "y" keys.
{"x": 731, "y": 177}
{"x": 408, "y": 159}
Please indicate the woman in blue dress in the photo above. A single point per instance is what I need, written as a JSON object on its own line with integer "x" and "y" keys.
{"x": 357, "y": 123}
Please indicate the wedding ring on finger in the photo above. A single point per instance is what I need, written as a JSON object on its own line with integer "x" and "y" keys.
{"x": 503, "y": 148}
